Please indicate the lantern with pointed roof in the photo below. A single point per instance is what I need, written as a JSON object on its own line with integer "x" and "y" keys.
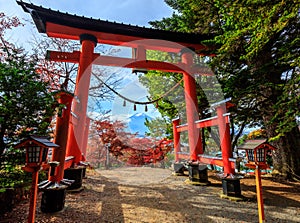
{"x": 256, "y": 152}
{"x": 36, "y": 150}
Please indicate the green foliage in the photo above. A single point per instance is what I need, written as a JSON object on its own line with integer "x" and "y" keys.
{"x": 257, "y": 60}
{"x": 26, "y": 105}
{"x": 288, "y": 106}
{"x": 161, "y": 85}
{"x": 11, "y": 159}
{"x": 159, "y": 128}
{"x": 11, "y": 174}
{"x": 158, "y": 84}
{"x": 15, "y": 178}
{"x": 242, "y": 139}
{"x": 257, "y": 63}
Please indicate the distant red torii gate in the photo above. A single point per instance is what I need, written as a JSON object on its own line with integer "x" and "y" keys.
{"x": 90, "y": 32}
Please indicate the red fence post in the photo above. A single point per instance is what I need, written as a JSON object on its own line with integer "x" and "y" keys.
{"x": 85, "y": 136}
{"x": 176, "y": 138}
{"x": 61, "y": 133}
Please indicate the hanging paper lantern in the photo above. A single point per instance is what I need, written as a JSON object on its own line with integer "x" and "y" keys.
{"x": 124, "y": 103}
{"x": 134, "y": 107}
{"x": 146, "y": 108}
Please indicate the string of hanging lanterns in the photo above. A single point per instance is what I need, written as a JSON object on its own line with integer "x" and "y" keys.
{"x": 140, "y": 102}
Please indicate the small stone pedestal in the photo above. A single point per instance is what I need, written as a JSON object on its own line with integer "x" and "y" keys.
{"x": 54, "y": 195}
{"x": 75, "y": 174}
{"x": 231, "y": 187}
{"x": 53, "y": 200}
{"x": 83, "y": 165}
{"x": 179, "y": 168}
{"x": 198, "y": 173}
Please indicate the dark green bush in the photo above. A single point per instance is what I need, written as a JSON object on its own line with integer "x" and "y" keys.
{"x": 11, "y": 174}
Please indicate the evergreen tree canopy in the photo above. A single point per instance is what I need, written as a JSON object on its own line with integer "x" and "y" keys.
{"x": 26, "y": 105}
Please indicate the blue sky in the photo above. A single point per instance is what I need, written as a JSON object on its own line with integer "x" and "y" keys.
{"x": 135, "y": 12}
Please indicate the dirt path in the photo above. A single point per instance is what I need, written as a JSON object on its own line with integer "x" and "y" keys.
{"x": 155, "y": 195}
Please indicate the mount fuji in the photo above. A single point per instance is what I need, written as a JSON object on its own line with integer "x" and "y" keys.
{"x": 136, "y": 123}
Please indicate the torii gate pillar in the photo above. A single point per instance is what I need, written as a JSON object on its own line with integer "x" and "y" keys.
{"x": 191, "y": 106}
{"x": 61, "y": 131}
{"x": 79, "y": 107}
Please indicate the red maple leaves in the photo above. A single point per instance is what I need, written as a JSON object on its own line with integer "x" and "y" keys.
{"x": 127, "y": 147}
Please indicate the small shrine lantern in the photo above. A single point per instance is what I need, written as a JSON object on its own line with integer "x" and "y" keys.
{"x": 36, "y": 156}
{"x": 36, "y": 150}
{"x": 256, "y": 152}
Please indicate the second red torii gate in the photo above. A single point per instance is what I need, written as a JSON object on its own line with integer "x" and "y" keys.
{"x": 92, "y": 31}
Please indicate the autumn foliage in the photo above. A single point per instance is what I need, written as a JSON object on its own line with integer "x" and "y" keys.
{"x": 154, "y": 154}
{"x": 126, "y": 147}
{"x": 7, "y": 23}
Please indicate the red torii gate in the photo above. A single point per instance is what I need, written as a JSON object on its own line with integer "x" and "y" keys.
{"x": 90, "y": 32}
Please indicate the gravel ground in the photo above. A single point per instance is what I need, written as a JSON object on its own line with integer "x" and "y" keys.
{"x": 155, "y": 195}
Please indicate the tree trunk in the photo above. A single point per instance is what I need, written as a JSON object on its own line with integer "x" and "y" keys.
{"x": 286, "y": 159}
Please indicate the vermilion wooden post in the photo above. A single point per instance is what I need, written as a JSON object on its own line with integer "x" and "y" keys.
{"x": 76, "y": 133}
{"x": 176, "y": 138}
{"x": 85, "y": 136}
{"x": 61, "y": 133}
{"x": 224, "y": 132}
{"x": 141, "y": 53}
{"x": 260, "y": 201}
{"x": 33, "y": 194}
{"x": 191, "y": 106}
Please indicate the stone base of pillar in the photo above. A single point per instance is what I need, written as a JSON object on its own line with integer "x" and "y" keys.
{"x": 83, "y": 165}
{"x": 231, "y": 187}
{"x": 179, "y": 168}
{"x": 53, "y": 200}
{"x": 75, "y": 174}
{"x": 198, "y": 173}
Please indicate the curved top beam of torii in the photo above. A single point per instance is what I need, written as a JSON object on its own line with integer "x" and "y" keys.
{"x": 63, "y": 25}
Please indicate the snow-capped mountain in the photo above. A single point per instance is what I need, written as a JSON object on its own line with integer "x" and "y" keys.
{"x": 136, "y": 123}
